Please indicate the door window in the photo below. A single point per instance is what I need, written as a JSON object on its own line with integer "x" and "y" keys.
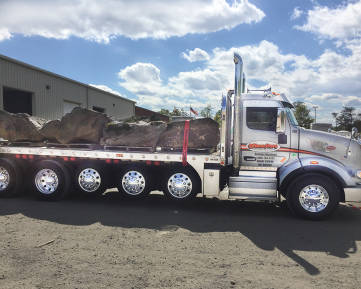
{"x": 262, "y": 118}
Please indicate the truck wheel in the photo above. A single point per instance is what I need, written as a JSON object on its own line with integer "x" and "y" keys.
{"x": 181, "y": 184}
{"x": 313, "y": 196}
{"x": 90, "y": 179}
{"x": 11, "y": 178}
{"x": 51, "y": 180}
{"x": 134, "y": 182}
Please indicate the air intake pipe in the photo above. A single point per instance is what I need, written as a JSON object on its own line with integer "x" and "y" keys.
{"x": 237, "y": 127}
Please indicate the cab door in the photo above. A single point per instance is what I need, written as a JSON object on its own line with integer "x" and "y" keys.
{"x": 261, "y": 146}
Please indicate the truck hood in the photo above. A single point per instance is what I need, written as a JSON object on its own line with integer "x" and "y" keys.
{"x": 331, "y": 146}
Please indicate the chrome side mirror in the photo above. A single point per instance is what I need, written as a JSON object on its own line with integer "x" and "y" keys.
{"x": 354, "y": 132}
{"x": 281, "y": 121}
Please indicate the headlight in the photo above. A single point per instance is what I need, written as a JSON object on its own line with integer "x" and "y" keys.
{"x": 358, "y": 174}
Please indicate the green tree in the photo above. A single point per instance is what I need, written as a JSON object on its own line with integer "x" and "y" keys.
{"x": 357, "y": 124}
{"x": 302, "y": 114}
{"x": 165, "y": 112}
{"x": 207, "y": 111}
{"x": 218, "y": 117}
{"x": 175, "y": 112}
{"x": 345, "y": 119}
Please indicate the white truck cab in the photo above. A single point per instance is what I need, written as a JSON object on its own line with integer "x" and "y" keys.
{"x": 271, "y": 155}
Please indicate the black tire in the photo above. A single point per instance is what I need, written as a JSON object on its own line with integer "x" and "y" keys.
{"x": 315, "y": 184}
{"x": 97, "y": 174}
{"x": 12, "y": 179}
{"x": 190, "y": 180}
{"x": 52, "y": 168}
{"x": 139, "y": 173}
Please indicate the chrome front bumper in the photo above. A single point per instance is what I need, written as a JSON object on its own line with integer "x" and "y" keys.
{"x": 353, "y": 194}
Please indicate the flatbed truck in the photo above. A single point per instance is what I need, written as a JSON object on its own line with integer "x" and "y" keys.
{"x": 263, "y": 155}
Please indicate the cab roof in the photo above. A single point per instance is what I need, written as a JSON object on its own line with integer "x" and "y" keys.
{"x": 268, "y": 96}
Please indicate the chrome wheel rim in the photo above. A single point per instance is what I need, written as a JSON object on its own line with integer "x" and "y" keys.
{"x": 89, "y": 180}
{"x": 314, "y": 198}
{"x": 46, "y": 181}
{"x": 179, "y": 185}
{"x": 4, "y": 179}
{"x": 133, "y": 183}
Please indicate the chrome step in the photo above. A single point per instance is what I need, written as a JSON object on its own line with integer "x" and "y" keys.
{"x": 249, "y": 184}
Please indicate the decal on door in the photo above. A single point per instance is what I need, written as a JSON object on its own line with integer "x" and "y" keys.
{"x": 264, "y": 153}
{"x": 263, "y": 146}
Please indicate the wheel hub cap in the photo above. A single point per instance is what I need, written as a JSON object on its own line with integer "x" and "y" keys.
{"x": 46, "y": 181}
{"x": 133, "y": 183}
{"x": 314, "y": 198}
{"x": 179, "y": 185}
{"x": 89, "y": 180}
{"x": 4, "y": 178}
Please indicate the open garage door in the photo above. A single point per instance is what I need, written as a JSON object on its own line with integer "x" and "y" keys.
{"x": 68, "y": 106}
{"x": 17, "y": 101}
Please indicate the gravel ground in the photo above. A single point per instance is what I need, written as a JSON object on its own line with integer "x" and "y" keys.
{"x": 109, "y": 242}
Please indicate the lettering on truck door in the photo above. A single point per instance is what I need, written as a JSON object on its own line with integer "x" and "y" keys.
{"x": 260, "y": 145}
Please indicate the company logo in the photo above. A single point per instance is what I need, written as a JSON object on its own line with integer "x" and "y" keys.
{"x": 263, "y": 146}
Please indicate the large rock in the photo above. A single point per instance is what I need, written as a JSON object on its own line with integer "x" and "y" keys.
{"x": 139, "y": 134}
{"x": 79, "y": 126}
{"x": 20, "y": 127}
{"x": 203, "y": 133}
{"x": 50, "y": 130}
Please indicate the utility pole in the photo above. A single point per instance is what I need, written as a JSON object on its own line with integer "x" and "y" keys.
{"x": 315, "y": 108}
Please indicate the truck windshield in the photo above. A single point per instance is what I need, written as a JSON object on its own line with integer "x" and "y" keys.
{"x": 291, "y": 116}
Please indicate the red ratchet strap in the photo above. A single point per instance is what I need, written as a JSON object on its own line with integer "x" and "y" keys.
{"x": 185, "y": 143}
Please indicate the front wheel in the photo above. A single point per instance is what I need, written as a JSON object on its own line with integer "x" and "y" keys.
{"x": 313, "y": 196}
{"x": 181, "y": 184}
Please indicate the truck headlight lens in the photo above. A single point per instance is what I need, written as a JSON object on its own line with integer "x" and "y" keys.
{"x": 358, "y": 174}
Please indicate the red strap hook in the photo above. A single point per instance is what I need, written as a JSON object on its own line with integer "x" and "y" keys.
{"x": 185, "y": 142}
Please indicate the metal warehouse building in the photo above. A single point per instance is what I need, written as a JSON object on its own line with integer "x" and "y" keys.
{"x": 28, "y": 89}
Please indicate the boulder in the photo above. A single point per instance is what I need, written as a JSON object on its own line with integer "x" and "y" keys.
{"x": 203, "y": 134}
{"x": 139, "y": 134}
{"x": 20, "y": 127}
{"x": 79, "y": 126}
{"x": 50, "y": 130}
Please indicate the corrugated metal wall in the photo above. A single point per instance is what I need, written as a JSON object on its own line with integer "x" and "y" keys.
{"x": 113, "y": 107}
{"x": 50, "y": 92}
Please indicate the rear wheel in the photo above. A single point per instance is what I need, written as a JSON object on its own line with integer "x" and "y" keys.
{"x": 90, "y": 179}
{"x": 51, "y": 180}
{"x": 11, "y": 178}
{"x": 134, "y": 182}
{"x": 181, "y": 184}
{"x": 313, "y": 196}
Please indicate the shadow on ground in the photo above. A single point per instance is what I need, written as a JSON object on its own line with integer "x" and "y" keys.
{"x": 268, "y": 226}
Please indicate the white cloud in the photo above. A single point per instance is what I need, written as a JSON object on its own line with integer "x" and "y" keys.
{"x": 343, "y": 22}
{"x": 329, "y": 81}
{"x": 144, "y": 72}
{"x": 297, "y": 12}
{"x": 4, "y": 34}
{"x": 103, "y": 20}
{"x": 196, "y": 55}
{"x": 106, "y": 88}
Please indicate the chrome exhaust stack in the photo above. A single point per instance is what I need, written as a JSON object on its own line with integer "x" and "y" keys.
{"x": 237, "y": 128}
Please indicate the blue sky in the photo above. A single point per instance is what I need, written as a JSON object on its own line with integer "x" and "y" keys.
{"x": 179, "y": 53}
